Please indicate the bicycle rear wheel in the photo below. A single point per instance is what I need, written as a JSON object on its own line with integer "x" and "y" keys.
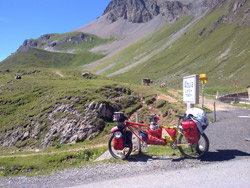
{"x": 193, "y": 150}
{"x": 119, "y": 154}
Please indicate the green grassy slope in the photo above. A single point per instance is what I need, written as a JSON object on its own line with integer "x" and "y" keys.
{"x": 22, "y": 100}
{"x": 214, "y": 46}
{"x": 37, "y": 58}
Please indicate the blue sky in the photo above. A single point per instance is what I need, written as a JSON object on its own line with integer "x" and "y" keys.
{"x": 25, "y": 19}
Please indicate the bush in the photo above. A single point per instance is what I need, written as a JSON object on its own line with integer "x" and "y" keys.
{"x": 85, "y": 155}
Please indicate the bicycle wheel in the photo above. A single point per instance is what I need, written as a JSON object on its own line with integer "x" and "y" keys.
{"x": 193, "y": 150}
{"x": 119, "y": 154}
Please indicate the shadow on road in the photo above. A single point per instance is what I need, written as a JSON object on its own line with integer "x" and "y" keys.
{"x": 223, "y": 155}
{"x": 217, "y": 156}
{"x": 143, "y": 157}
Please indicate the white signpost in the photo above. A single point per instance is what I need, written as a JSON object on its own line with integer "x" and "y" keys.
{"x": 191, "y": 89}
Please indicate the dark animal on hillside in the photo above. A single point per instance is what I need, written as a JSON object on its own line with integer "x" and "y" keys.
{"x": 18, "y": 77}
{"x": 86, "y": 75}
{"x": 146, "y": 81}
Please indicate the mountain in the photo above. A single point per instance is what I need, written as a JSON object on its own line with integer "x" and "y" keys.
{"x": 130, "y": 21}
{"x": 210, "y": 37}
{"x": 125, "y": 21}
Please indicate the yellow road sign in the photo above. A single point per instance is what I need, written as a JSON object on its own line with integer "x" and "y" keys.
{"x": 203, "y": 78}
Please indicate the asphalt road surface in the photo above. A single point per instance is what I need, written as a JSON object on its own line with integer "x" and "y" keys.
{"x": 232, "y": 174}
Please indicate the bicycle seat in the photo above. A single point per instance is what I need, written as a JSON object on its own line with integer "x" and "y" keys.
{"x": 119, "y": 117}
{"x": 180, "y": 116}
{"x": 152, "y": 115}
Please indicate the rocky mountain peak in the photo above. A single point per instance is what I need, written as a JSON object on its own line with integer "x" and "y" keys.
{"x": 141, "y": 11}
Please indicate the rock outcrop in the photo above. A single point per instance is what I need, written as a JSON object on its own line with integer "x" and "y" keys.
{"x": 74, "y": 127}
{"x": 46, "y": 41}
{"x": 67, "y": 124}
{"x": 141, "y": 11}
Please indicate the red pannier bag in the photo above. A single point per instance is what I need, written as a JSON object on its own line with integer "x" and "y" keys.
{"x": 171, "y": 132}
{"x": 190, "y": 131}
{"x": 118, "y": 143}
{"x": 154, "y": 140}
{"x": 156, "y": 133}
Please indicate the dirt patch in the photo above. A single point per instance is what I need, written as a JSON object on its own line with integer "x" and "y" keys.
{"x": 220, "y": 106}
{"x": 166, "y": 98}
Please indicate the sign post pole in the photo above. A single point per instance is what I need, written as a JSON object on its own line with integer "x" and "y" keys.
{"x": 139, "y": 142}
{"x": 203, "y": 86}
{"x": 203, "y": 79}
{"x": 236, "y": 87}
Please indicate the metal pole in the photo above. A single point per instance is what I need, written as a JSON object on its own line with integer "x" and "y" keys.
{"x": 203, "y": 86}
{"x": 214, "y": 112}
{"x": 139, "y": 142}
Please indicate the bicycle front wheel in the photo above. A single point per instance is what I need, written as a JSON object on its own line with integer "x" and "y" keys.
{"x": 119, "y": 154}
{"x": 193, "y": 150}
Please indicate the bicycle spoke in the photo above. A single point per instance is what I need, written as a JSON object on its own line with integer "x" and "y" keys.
{"x": 119, "y": 154}
{"x": 193, "y": 150}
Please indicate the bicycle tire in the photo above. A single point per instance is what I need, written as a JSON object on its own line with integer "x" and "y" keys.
{"x": 193, "y": 150}
{"x": 120, "y": 154}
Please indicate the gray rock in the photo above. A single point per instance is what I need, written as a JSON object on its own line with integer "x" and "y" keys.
{"x": 46, "y": 42}
{"x": 141, "y": 11}
{"x": 30, "y": 42}
{"x": 26, "y": 134}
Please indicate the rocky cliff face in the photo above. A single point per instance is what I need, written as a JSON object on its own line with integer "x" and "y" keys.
{"x": 141, "y": 11}
{"x": 65, "y": 124}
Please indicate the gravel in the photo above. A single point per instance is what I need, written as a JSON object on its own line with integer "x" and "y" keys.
{"x": 96, "y": 173}
{"x": 227, "y": 139}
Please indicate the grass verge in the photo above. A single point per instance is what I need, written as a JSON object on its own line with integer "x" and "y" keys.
{"x": 45, "y": 164}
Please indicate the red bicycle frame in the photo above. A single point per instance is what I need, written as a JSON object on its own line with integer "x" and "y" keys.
{"x": 161, "y": 141}
{"x": 133, "y": 124}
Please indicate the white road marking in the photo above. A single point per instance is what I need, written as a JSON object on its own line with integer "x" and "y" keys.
{"x": 244, "y": 116}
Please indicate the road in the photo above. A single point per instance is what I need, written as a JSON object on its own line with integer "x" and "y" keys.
{"x": 228, "y": 135}
{"x": 232, "y": 174}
